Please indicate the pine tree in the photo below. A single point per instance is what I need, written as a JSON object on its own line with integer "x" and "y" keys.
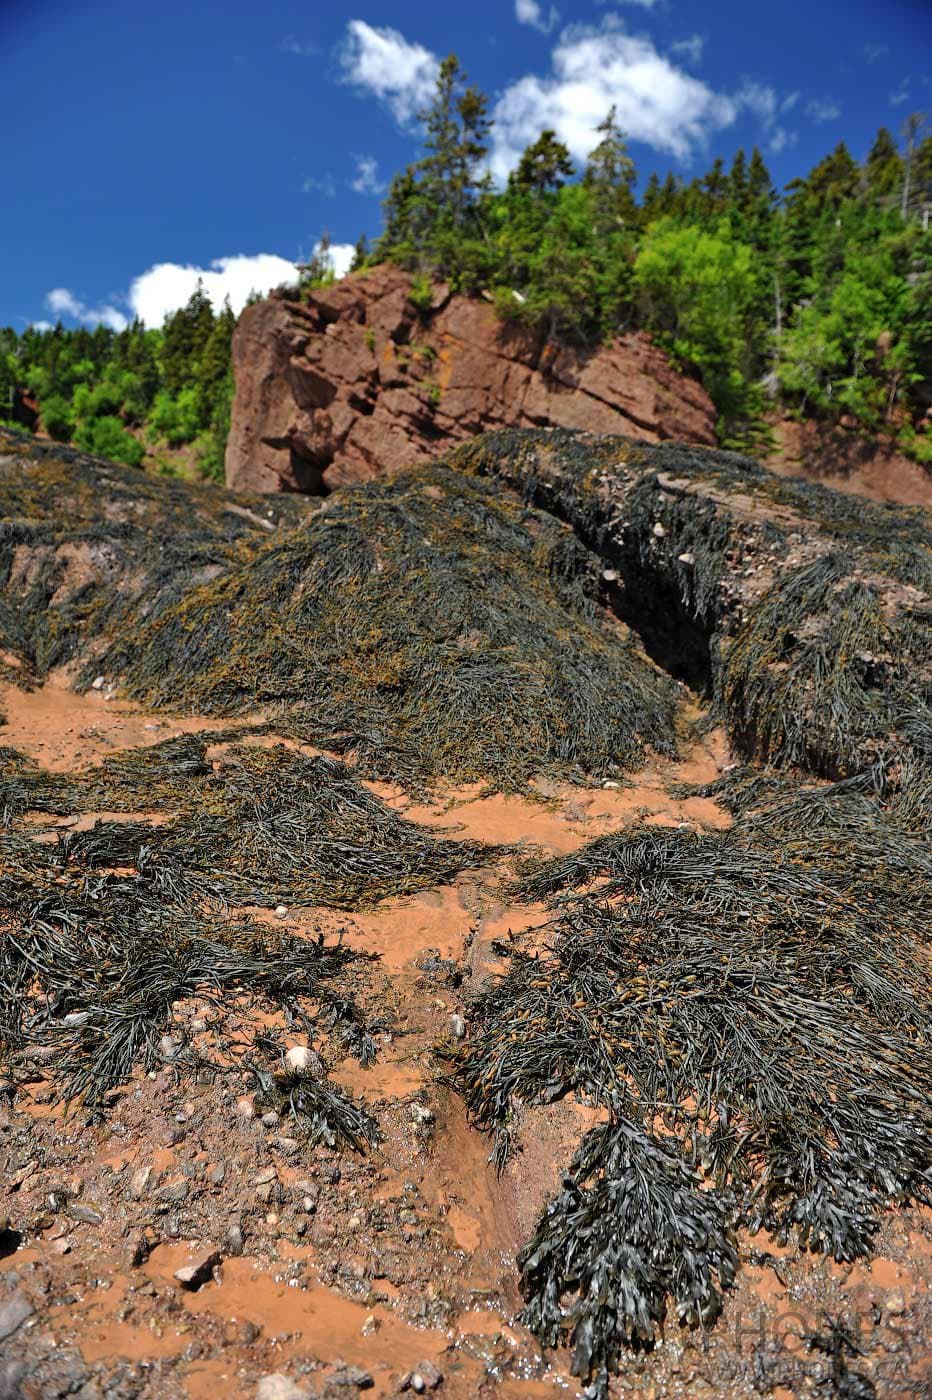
{"x": 543, "y": 167}
{"x": 883, "y": 170}
{"x": 610, "y": 176}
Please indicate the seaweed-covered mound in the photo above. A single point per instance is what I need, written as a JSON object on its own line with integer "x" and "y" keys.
{"x": 751, "y": 1009}
{"x": 432, "y": 626}
{"x": 84, "y": 541}
{"x": 804, "y": 612}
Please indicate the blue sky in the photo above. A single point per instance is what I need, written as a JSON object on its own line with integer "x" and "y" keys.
{"x": 146, "y": 143}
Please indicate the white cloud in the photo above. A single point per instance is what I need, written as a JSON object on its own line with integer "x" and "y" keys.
{"x": 298, "y": 47}
{"x": 780, "y": 139}
{"x": 324, "y": 185}
{"x": 166, "y": 286}
{"x": 40, "y": 326}
{"x": 366, "y": 180}
{"x": 340, "y": 255}
{"x": 64, "y": 303}
{"x": 593, "y": 70}
{"x": 789, "y": 102}
{"x": 381, "y": 61}
{"x": 900, "y": 96}
{"x": 690, "y": 50}
{"x": 530, "y": 12}
{"x": 823, "y": 109}
{"x": 873, "y": 52}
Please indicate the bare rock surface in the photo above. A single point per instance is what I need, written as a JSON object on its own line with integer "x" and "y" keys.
{"x": 357, "y": 381}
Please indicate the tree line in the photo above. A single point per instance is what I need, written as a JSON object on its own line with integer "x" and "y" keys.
{"x": 821, "y": 298}
{"x": 128, "y": 394}
{"x": 817, "y": 300}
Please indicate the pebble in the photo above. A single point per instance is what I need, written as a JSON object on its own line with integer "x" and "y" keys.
{"x": 298, "y": 1059}
{"x": 98, "y": 683}
{"x": 610, "y": 783}
{"x": 245, "y": 1109}
{"x": 279, "y": 1387}
{"x": 266, "y": 1175}
{"x": 610, "y": 575}
{"x": 281, "y": 911}
{"x": 659, "y": 530}
{"x": 169, "y": 1047}
{"x": 420, "y": 1114}
{"x": 175, "y": 1191}
{"x": 201, "y": 1268}
{"x": 234, "y": 1240}
{"x": 139, "y": 1183}
{"x": 85, "y": 1214}
{"x": 13, "y": 1313}
{"x": 458, "y": 1027}
{"x": 895, "y": 1302}
{"x": 270, "y": 1119}
{"x": 216, "y": 1174}
{"x": 686, "y": 558}
{"x": 352, "y": 1376}
{"x": 425, "y": 1376}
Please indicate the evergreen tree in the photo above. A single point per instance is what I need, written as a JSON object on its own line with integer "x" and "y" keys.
{"x": 883, "y": 170}
{"x": 610, "y": 176}
{"x": 543, "y": 167}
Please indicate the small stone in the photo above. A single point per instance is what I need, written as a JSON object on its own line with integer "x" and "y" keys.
{"x": 169, "y": 1047}
{"x": 245, "y": 1108}
{"x": 234, "y": 1240}
{"x": 139, "y": 1183}
{"x": 98, "y": 682}
{"x": 281, "y": 911}
{"x": 62, "y": 1245}
{"x": 421, "y": 1114}
{"x": 370, "y": 1325}
{"x": 85, "y": 1214}
{"x": 309, "y": 1205}
{"x": 279, "y": 1387}
{"x": 429, "y": 1375}
{"x": 216, "y": 1174}
{"x": 610, "y": 575}
{"x": 266, "y": 1175}
{"x": 350, "y": 1376}
{"x": 270, "y": 1119}
{"x": 298, "y": 1059}
{"x": 174, "y": 1192}
{"x": 201, "y": 1268}
{"x": 198, "y": 1027}
{"x": 895, "y": 1302}
{"x": 659, "y": 530}
{"x": 458, "y": 1027}
{"x": 14, "y": 1312}
{"x": 686, "y": 558}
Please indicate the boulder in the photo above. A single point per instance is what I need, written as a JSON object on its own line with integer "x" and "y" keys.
{"x": 356, "y": 381}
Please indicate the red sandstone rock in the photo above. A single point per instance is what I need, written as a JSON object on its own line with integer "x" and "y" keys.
{"x": 356, "y": 382}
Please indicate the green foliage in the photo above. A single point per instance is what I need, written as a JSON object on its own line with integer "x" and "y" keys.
{"x": 106, "y": 437}
{"x": 696, "y": 289}
{"x": 172, "y": 386}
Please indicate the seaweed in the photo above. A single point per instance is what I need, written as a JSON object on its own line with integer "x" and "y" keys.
{"x": 750, "y": 1009}
{"x": 105, "y": 929}
{"x": 425, "y": 624}
{"x": 801, "y": 612}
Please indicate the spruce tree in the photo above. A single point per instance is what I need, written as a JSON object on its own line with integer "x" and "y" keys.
{"x": 610, "y": 176}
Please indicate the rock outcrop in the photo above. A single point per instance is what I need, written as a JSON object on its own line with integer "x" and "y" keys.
{"x": 357, "y": 381}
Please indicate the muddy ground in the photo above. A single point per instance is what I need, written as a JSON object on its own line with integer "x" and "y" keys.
{"x": 327, "y": 1273}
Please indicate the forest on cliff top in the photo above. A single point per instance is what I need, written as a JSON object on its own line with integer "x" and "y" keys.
{"x": 816, "y": 301}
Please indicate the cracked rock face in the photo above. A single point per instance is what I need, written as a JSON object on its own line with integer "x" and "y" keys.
{"x": 357, "y": 381}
